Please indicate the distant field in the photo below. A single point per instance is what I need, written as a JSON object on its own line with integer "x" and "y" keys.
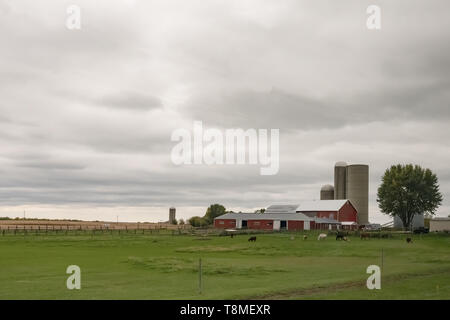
{"x": 165, "y": 266}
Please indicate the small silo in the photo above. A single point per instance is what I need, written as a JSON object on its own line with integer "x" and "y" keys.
{"x": 327, "y": 192}
{"x": 357, "y": 190}
{"x": 172, "y": 212}
{"x": 340, "y": 176}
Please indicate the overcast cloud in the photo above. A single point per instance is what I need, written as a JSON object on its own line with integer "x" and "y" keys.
{"x": 86, "y": 115}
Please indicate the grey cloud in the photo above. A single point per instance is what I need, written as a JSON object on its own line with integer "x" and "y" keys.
{"x": 131, "y": 101}
{"x": 336, "y": 91}
{"x": 50, "y": 165}
{"x": 278, "y": 109}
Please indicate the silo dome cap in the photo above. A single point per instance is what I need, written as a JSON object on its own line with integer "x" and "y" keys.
{"x": 327, "y": 187}
{"x": 358, "y": 165}
{"x": 340, "y": 164}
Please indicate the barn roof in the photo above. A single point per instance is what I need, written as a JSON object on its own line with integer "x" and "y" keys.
{"x": 276, "y": 216}
{"x": 321, "y": 205}
{"x": 326, "y": 220}
{"x": 281, "y": 208}
{"x": 317, "y": 205}
{"x": 263, "y": 216}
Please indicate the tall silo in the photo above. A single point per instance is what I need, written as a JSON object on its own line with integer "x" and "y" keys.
{"x": 327, "y": 192}
{"x": 340, "y": 176}
{"x": 357, "y": 189}
{"x": 172, "y": 212}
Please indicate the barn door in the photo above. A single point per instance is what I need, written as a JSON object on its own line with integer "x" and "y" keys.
{"x": 276, "y": 224}
{"x": 238, "y": 223}
{"x": 306, "y": 225}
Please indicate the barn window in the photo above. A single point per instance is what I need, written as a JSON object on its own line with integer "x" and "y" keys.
{"x": 331, "y": 216}
{"x": 256, "y": 223}
{"x": 221, "y": 222}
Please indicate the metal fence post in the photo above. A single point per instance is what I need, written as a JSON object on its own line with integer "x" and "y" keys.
{"x": 200, "y": 275}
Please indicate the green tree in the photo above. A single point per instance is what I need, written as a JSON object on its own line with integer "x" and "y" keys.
{"x": 181, "y": 221}
{"x": 406, "y": 190}
{"x": 197, "y": 222}
{"x": 260, "y": 210}
{"x": 214, "y": 211}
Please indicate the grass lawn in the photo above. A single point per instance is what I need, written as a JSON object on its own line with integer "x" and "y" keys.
{"x": 130, "y": 266}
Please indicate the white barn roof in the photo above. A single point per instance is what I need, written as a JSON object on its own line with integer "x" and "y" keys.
{"x": 263, "y": 216}
{"x": 321, "y": 205}
{"x": 282, "y": 208}
{"x": 276, "y": 216}
{"x": 326, "y": 220}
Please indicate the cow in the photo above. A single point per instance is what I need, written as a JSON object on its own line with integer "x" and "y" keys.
{"x": 322, "y": 236}
{"x": 408, "y": 240}
{"x": 253, "y": 239}
{"x": 340, "y": 236}
{"x": 305, "y": 237}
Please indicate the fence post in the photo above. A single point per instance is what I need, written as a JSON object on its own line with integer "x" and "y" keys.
{"x": 200, "y": 275}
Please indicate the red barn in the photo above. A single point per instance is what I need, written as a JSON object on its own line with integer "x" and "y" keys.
{"x": 263, "y": 221}
{"x": 322, "y": 214}
{"x": 340, "y": 210}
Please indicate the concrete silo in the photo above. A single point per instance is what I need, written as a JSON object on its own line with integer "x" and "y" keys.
{"x": 340, "y": 177}
{"x": 327, "y": 192}
{"x": 172, "y": 212}
{"x": 357, "y": 190}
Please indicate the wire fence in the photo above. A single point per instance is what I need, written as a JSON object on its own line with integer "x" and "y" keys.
{"x": 173, "y": 230}
{"x": 95, "y": 228}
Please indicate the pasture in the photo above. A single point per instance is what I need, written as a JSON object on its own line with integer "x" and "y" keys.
{"x": 275, "y": 266}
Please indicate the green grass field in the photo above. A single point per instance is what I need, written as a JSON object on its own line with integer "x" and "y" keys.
{"x": 130, "y": 266}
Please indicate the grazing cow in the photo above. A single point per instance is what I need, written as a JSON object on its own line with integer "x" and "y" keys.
{"x": 305, "y": 237}
{"x": 252, "y": 239}
{"x": 408, "y": 240}
{"x": 322, "y": 236}
{"x": 231, "y": 235}
{"x": 340, "y": 236}
{"x": 365, "y": 236}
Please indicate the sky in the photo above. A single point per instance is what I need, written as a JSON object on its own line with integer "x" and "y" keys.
{"x": 86, "y": 115}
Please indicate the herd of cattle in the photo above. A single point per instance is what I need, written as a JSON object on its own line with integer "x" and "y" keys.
{"x": 339, "y": 236}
